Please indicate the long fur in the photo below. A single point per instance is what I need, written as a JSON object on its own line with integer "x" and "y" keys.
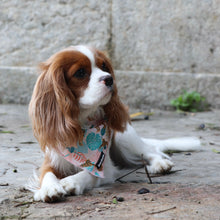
{"x": 54, "y": 118}
{"x": 70, "y": 90}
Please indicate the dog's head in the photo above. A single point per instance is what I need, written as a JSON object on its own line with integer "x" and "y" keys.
{"x": 72, "y": 82}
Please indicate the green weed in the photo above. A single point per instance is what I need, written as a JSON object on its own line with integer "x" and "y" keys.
{"x": 190, "y": 102}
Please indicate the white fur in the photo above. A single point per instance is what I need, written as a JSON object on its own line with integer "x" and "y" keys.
{"x": 97, "y": 93}
{"x": 33, "y": 183}
{"x": 131, "y": 146}
{"x": 87, "y": 52}
{"x": 50, "y": 188}
{"x": 78, "y": 183}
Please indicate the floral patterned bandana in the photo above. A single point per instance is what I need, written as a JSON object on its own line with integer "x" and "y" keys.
{"x": 91, "y": 155}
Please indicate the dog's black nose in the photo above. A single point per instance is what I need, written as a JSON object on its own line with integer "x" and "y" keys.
{"x": 108, "y": 80}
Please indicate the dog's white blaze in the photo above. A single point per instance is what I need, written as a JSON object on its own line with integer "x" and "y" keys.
{"x": 87, "y": 52}
{"x": 95, "y": 92}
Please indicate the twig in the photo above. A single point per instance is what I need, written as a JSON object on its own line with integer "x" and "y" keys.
{"x": 145, "y": 167}
{"x": 159, "y": 174}
{"x": 160, "y": 211}
{"x": 92, "y": 210}
{"x": 118, "y": 179}
{"x": 5, "y": 171}
{"x": 4, "y": 184}
{"x": 23, "y": 203}
{"x": 25, "y": 216}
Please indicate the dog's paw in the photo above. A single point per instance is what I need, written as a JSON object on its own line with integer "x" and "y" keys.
{"x": 72, "y": 185}
{"x": 50, "y": 193}
{"x": 160, "y": 165}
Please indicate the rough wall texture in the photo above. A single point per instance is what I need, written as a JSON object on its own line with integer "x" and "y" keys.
{"x": 30, "y": 31}
{"x": 174, "y": 36}
{"x": 147, "y": 90}
{"x": 153, "y": 36}
{"x": 16, "y": 84}
{"x": 137, "y": 89}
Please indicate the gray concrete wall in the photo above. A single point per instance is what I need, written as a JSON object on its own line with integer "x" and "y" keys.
{"x": 32, "y": 30}
{"x": 158, "y": 47}
{"x": 146, "y": 89}
{"x": 16, "y": 84}
{"x": 143, "y": 90}
{"x": 171, "y": 35}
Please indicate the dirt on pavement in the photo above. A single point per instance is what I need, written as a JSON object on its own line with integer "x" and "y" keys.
{"x": 191, "y": 191}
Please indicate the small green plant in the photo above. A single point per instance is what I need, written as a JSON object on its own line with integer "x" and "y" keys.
{"x": 189, "y": 101}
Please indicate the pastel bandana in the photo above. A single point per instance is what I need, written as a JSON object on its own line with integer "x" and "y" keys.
{"x": 91, "y": 155}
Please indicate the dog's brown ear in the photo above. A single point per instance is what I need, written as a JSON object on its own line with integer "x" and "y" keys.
{"x": 116, "y": 112}
{"x": 54, "y": 109}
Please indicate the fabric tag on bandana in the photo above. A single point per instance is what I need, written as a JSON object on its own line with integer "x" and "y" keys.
{"x": 91, "y": 155}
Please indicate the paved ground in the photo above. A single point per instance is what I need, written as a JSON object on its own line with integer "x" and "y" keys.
{"x": 193, "y": 192}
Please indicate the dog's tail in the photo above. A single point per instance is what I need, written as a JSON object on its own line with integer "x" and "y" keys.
{"x": 175, "y": 144}
{"x": 33, "y": 183}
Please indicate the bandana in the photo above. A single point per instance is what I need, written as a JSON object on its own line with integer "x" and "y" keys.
{"x": 90, "y": 155}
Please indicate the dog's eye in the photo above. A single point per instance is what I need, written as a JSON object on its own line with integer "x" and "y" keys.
{"x": 104, "y": 67}
{"x": 80, "y": 73}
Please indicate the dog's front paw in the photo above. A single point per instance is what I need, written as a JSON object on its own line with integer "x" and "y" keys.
{"x": 160, "y": 165}
{"x": 50, "y": 193}
{"x": 72, "y": 185}
{"x": 51, "y": 190}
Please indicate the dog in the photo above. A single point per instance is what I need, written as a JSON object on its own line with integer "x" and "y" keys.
{"x": 84, "y": 129}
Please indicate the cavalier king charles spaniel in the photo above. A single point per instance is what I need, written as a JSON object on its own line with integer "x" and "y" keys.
{"x": 84, "y": 129}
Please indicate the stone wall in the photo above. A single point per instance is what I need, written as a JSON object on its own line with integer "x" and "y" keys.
{"x": 142, "y": 90}
{"x": 149, "y": 35}
{"x": 31, "y": 31}
{"x": 159, "y": 47}
{"x": 171, "y": 35}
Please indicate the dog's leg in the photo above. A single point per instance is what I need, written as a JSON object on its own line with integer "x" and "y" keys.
{"x": 50, "y": 190}
{"x": 133, "y": 148}
{"x": 77, "y": 183}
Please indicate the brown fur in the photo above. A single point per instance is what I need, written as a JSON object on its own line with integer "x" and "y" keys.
{"x": 118, "y": 119}
{"x": 54, "y": 107}
{"x": 46, "y": 167}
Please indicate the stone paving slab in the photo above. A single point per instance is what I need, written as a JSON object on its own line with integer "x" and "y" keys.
{"x": 192, "y": 192}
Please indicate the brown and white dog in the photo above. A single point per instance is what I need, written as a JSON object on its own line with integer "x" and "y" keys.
{"x": 75, "y": 100}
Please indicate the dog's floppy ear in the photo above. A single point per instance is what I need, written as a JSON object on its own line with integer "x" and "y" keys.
{"x": 116, "y": 111}
{"x": 54, "y": 109}
{"x": 117, "y": 114}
